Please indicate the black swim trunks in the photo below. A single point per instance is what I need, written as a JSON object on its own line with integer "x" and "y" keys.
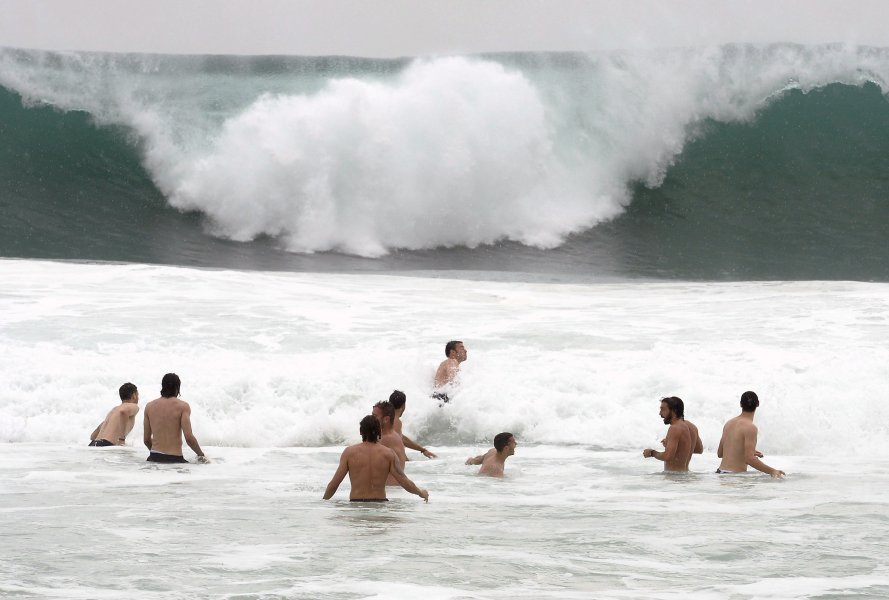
{"x": 368, "y": 499}
{"x": 441, "y": 397}
{"x": 160, "y": 457}
{"x": 101, "y": 443}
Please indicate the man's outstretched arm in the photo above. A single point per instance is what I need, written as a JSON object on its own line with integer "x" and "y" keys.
{"x": 409, "y": 443}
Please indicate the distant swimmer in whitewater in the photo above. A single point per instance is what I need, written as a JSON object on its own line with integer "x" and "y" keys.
{"x": 119, "y": 421}
{"x": 448, "y": 369}
{"x": 682, "y": 437}
{"x": 167, "y": 420}
{"x": 369, "y": 464}
{"x": 737, "y": 448}
{"x": 493, "y": 461}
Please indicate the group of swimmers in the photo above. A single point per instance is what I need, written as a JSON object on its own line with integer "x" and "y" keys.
{"x": 379, "y": 459}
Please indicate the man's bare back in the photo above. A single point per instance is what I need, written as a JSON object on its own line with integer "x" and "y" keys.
{"x": 166, "y": 421}
{"x": 737, "y": 448}
{"x": 118, "y": 424}
{"x": 369, "y": 465}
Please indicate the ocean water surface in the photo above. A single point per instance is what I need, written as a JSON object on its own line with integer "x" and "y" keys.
{"x": 298, "y": 236}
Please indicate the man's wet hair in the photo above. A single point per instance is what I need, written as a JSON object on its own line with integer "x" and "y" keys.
{"x": 397, "y": 398}
{"x": 387, "y": 409}
{"x": 676, "y": 405}
{"x": 370, "y": 429}
{"x": 501, "y": 439}
{"x": 127, "y": 390}
{"x": 452, "y": 345}
{"x": 170, "y": 385}
{"x": 749, "y": 402}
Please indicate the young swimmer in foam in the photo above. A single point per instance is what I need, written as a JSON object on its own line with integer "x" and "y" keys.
{"x": 447, "y": 370}
{"x": 493, "y": 461}
{"x": 737, "y": 448}
{"x": 119, "y": 421}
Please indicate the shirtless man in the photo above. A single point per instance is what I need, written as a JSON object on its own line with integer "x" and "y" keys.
{"x": 737, "y": 448}
{"x": 167, "y": 419}
{"x": 368, "y": 465}
{"x": 385, "y": 413}
{"x": 398, "y": 399}
{"x": 119, "y": 421}
{"x": 682, "y": 437}
{"x": 447, "y": 370}
{"x": 494, "y": 460}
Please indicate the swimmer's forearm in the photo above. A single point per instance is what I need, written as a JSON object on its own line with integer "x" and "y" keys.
{"x": 193, "y": 444}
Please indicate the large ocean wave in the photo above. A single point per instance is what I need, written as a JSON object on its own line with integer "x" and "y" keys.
{"x": 734, "y": 161}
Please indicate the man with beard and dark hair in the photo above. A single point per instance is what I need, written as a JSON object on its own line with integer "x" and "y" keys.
{"x": 368, "y": 465}
{"x": 737, "y": 448}
{"x": 682, "y": 437}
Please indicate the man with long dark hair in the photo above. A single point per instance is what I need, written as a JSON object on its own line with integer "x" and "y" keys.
{"x": 167, "y": 420}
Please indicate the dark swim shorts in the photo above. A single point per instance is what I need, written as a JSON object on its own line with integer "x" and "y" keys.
{"x": 368, "y": 499}
{"x": 441, "y": 397}
{"x": 160, "y": 457}
{"x": 101, "y": 443}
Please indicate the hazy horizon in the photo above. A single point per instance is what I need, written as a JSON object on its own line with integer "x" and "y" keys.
{"x": 426, "y": 27}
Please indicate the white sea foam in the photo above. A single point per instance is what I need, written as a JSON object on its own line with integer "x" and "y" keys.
{"x": 448, "y": 151}
{"x": 271, "y": 359}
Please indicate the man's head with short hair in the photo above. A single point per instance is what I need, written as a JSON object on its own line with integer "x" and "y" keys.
{"x": 749, "y": 402}
{"x": 370, "y": 429}
{"x": 128, "y": 391}
{"x": 455, "y": 350}
{"x": 397, "y": 399}
{"x": 170, "y": 385}
{"x": 675, "y": 409}
{"x": 382, "y": 410}
{"x": 501, "y": 440}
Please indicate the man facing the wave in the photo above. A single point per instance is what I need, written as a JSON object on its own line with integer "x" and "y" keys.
{"x": 119, "y": 421}
{"x": 399, "y": 403}
{"x": 682, "y": 437}
{"x": 737, "y": 448}
{"x": 167, "y": 420}
{"x": 368, "y": 465}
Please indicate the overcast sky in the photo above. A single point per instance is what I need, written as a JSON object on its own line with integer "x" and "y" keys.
{"x": 417, "y": 27}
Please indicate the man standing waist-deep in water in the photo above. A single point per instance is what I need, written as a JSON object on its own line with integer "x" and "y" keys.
{"x": 737, "y": 448}
{"x": 167, "y": 420}
{"x": 119, "y": 421}
{"x": 682, "y": 437}
{"x": 369, "y": 465}
{"x": 447, "y": 370}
